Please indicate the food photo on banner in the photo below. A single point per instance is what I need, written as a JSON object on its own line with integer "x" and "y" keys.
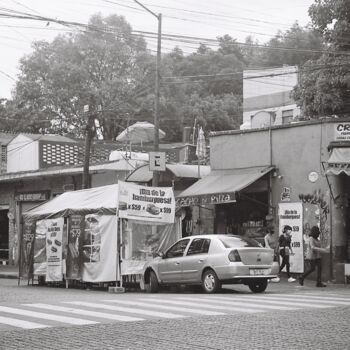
{"x": 74, "y": 258}
{"x": 291, "y": 214}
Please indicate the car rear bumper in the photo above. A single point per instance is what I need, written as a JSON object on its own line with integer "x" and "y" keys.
{"x": 237, "y": 271}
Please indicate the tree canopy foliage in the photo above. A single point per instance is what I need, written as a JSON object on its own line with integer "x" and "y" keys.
{"x": 111, "y": 69}
{"x": 324, "y": 87}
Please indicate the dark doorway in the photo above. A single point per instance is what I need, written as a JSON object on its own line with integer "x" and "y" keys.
{"x": 4, "y": 235}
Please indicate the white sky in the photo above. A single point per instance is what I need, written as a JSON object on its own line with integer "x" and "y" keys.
{"x": 200, "y": 18}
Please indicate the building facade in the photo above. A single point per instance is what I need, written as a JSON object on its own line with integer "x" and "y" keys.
{"x": 305, "y": 165}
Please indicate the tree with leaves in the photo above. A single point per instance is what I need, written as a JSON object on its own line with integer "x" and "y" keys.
{"x": 103, "y": 67}
{"x": 324, "y": 86}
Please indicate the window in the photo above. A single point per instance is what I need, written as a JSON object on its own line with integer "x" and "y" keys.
{"x": 177, "y": 249}
{"x": 238, "y": 242}
{"x": 199, "y": 246}
{"x": 287, "y": 116}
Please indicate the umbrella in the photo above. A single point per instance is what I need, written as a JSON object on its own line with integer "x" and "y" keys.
{"x": 139, "y": 132}
{"x": 201, "y": 150}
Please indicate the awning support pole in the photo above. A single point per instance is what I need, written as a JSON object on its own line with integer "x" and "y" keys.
{"x": 329, "y": 185}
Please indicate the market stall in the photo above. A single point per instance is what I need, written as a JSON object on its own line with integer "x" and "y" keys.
{"x": 98, "y": 234}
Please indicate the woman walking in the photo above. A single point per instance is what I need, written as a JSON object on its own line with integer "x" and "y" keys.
{"x": 313, "y": 257}
{"x": 285, "y": 249}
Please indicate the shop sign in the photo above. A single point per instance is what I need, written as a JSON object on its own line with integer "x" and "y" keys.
{"x": 216, "y": 198}
{"x": 153, "y": 204}
{"x": 32, "y": 196}
{"x": 292, "y": 214}
{"x": 342, "y": 131}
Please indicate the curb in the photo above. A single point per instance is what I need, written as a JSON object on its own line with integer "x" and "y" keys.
{"x": 9, "y": 275}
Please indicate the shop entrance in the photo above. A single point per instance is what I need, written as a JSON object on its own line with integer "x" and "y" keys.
{"x": 4, "y": 236}
{"x": 246, "y": 217}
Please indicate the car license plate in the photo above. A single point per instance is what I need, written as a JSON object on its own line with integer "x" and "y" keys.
{"x": 259, "y": 272}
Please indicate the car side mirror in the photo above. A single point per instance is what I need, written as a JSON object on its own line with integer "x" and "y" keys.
{"x": 161, "y": 254}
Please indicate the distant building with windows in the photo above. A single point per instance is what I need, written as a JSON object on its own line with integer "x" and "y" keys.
{"x": 267, "y": 97}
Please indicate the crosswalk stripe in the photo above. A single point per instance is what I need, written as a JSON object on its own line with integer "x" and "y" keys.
{"x": 204, "y": 306}
{"x": 322, "y": 297}
{"x": 126, "y": 309}
{"x": 317, "y": 299}
{"x": 85, "y": 312}
{"x": 21, "y": 323}
{"x": 239, "y": 302}
{"x": 64, "y": 319}
{"x": 272, "y": 300}
{"x": 166, "y": 307}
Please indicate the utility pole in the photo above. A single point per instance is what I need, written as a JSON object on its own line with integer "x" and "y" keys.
{"x": 155, "y": 179}
{"x": 88, "y": 139}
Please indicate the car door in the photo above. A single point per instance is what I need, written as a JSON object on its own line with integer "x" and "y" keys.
{"x": 170, "y": 267}
{"x": 194, "y": 260}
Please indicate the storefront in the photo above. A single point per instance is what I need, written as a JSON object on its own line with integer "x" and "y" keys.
{"x": 305, "y": 178}
{"x": 238, "y": 198}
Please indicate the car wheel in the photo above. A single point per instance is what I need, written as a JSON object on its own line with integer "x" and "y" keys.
{"x": 210, "y": 282}
{"x": 153, "y": 285}
{"x": 258, "y": 286}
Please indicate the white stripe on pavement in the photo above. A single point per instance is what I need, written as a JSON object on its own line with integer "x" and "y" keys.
{"x": 21, "y": 323}
{"x": 204, "y": 306}
{"x": 166, "y": 307}
{"x": 303, "y": 298}
{"x": 319, "y": 297}
{"x": 126, "y": 309}
{"x": 84, "y": 312}
{"x": 273, "y": 300}
{"x": 22, "y": 312}
{"x": 238, "y": 302}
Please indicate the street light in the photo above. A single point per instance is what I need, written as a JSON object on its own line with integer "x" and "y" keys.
{"x": 155, "y": 178}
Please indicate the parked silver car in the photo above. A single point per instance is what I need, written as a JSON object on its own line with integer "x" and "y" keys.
{"x": 210, "y": 261}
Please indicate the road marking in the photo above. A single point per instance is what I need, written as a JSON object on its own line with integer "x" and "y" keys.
{"x": 22, "y": 312}
{"x": 85, "y": 312}
{"x": 239, "y": 302}
{"x": 21, "y": 323}
{"x": 274, "y": 300}
{"x": 316, "y": 299}
{"x": 321, "y": 297}
{"x": 126, "y": 309}
{"x": 204, "y": 306}
{"x": 166, "y": 307}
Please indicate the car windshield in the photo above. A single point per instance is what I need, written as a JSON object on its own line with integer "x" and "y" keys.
{"x": 238, "y": 242}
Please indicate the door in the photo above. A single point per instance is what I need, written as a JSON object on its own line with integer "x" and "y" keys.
{"x": 170, "y": 267}
{"x": 4, "y": 235}
{"x": 195, "y": 259}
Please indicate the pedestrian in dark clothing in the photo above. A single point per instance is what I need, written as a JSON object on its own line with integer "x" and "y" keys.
{"x": 285, "y": 250}
{"x": 313, "y": 257}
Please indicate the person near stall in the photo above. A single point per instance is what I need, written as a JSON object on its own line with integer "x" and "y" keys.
{"x": 285, "y": 250}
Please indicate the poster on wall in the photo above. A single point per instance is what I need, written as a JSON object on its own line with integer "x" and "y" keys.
{"x": 54, "y": 244}
{"x": 292, "y": 214}
{"x": 75, "y": 243}
{"x": 153, "y": 204}
{"x": 99, "y": 248}
{"x": 27, "y": 250}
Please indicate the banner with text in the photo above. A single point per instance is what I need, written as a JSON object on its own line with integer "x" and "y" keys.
{"x": 154, "y": 204}
{"x": 75, "y": 235}
{"x": 292, "y": 214}
{"x": 54, "y": 242}
{"x": 27, "y": 250}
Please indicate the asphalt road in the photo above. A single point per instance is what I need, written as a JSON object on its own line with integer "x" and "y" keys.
{"x": 287, "y": 316}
